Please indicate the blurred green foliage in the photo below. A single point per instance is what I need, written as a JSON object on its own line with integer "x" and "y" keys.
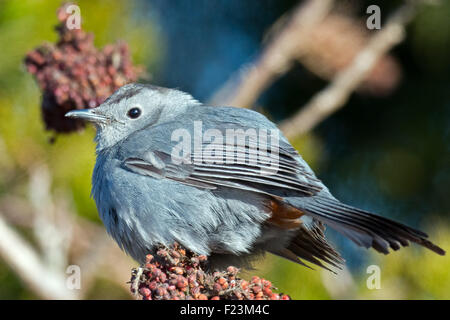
{"x": 414, "y": 273}
{"x": 24, "y": 25}
{"x": 24, "y": 144}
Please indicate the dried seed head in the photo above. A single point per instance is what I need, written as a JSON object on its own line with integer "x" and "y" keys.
{"x": 175, "y": 274}
{"x": 74, "y": 74}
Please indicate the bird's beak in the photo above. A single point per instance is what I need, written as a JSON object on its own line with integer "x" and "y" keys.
{"x": 88, "y": 115}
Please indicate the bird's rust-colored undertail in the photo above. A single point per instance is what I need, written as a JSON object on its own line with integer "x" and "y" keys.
{"x": 283, "y": 215}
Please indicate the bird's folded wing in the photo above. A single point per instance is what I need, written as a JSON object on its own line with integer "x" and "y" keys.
{"x": 258, "y": 177}
{"x": 238, "y": 163}
{"x": 289, "y": 176}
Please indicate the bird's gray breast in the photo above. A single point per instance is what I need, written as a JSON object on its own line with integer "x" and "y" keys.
{"x": 141, "y": 211}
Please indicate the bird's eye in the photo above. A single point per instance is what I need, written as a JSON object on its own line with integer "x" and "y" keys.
{"x": 134, "y": 113}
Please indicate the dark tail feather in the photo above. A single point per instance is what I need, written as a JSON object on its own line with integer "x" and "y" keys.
{"x": 310, "y": 244}
{"x": 367, "y": 229}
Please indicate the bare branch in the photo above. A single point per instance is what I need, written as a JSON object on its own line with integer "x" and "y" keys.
{"x": 92, "y": 249}
{"x": 51, "y": 230}
{"x": 46, "y": 283}
{"x": 276, "y": 58}
{"x": 336, "y": 94}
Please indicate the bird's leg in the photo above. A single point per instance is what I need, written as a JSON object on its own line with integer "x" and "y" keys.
{"x": 136, "y": 281}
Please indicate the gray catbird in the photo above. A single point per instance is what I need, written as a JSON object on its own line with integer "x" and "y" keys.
{"x": 152, "y": 187}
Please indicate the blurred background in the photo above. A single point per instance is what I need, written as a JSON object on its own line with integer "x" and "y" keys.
{"x": 382, "y": 145}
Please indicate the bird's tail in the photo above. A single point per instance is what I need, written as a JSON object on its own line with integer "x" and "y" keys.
{"x": 364, "y": 228}
{"x": 309, "y": 244}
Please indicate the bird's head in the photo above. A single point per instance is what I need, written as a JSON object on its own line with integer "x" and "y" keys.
{"x": 131, "y": 108}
